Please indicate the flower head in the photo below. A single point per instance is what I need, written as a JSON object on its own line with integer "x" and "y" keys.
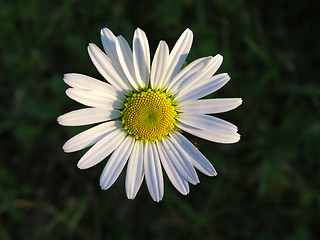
{"x": 142, "y": 110}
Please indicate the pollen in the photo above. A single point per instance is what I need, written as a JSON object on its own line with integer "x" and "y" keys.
{"x": 149, "y": 115}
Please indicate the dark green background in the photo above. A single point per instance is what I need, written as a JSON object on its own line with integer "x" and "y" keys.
{"x": 268, "y": 183}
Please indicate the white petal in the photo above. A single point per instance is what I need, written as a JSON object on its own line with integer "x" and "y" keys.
{"x": 88, "y": 83}
{"x": 89, "y": 137}
{"x": 208, "y": 70}
{"x": 102, "y": 149}
{"x": 196, "y": 157}
{"x": 208, "y": 123}
{"x": 179, "y": 160}
{"x": 202, "y": 88}
{"x": 116, "y": 163}
{"x": 153, "y": 171}
{"x": 172, "y": 142}
{"x": 178, "y": 55}
{"x": 109, "y": 40}
{"x": 209, "y": 106}
{"x": 176, "y": 179}
{"x": 202, "y": 68}
{"x": 189, "y": 71}
{"x": 107, "y": 69}
{"x": 135, "y": 173}
{"x": 141, "y": 57}
{"x": 87, "y": 116}
{"x": 209, "y": 135}
{"x": 125, "y": 57}
{"x": 94, "y": 98}
{"x": 214, "y": 66}
{"x": 159, "y": 65}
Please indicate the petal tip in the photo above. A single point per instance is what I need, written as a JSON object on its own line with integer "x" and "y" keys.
{"x": 219, "y": 56}
{"x": 67, "y": 149}
{"x": 66, "y": 75}
{"x": 67, "y": 91}
{"x": 64, "y": 148}
{"x": 213, "y": 172}
{"x": 103, "y": 185}
{"x": 157, "y": 200}
{"x": 237, "y": 138}
{"x": 103, "y": 30}
{"x": 130, "y": 195}
{"x": 80, "y": 165}
{"x": 90, "y": 46}
{"x": 60, "y": 120}
{"x": 189, "y": 30}
{"x": 138, "y": 29}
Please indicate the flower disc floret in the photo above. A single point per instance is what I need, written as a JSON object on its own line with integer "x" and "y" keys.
{"x": 149, "y": 115}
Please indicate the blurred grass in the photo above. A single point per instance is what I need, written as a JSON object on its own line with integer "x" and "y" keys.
{"x": 268, "y": 183}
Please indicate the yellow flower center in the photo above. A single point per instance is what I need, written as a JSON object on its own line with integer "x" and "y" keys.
{"x": 148, "y": 115}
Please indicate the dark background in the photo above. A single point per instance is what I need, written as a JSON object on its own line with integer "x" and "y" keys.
{"x": 268, "y": 183}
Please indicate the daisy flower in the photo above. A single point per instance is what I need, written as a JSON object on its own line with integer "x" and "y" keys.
{"x": 142, "y": 110}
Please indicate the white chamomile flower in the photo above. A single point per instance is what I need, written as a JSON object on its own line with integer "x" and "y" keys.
{"x": 142, "y": 110}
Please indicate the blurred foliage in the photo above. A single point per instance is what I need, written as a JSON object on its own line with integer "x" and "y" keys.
{"x": 268, "y": 183}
